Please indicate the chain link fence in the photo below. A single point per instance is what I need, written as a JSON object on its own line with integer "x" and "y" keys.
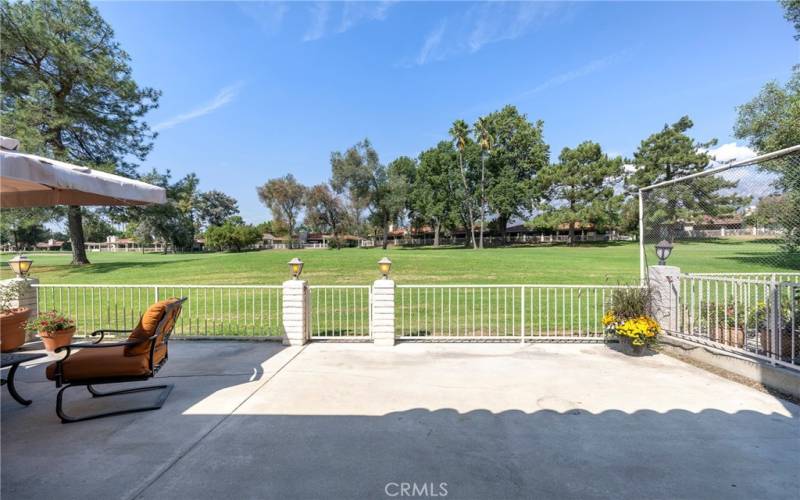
{"x": 738, "y": 218}
{"x": 734, "y": 233}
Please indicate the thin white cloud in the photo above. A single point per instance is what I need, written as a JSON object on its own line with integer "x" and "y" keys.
{"x": 268, "y": 15}
{"x": 481, "y": 25}
{"x": 351, "y": 14}
{"x": 320, "y": 12}
{"x": 568, "y": 76}
{"x": 223, "y": 97}
{"x": 432, "y": 42}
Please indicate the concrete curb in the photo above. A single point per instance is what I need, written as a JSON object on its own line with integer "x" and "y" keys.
{"x": 781, "y": 379}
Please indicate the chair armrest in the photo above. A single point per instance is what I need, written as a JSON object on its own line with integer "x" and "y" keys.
{"x": 103, "y": 333}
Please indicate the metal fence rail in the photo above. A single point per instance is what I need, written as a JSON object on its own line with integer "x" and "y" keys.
{"x": 783, "y": 277}
{"x": 753, "y": 316}
{"x": 341, "y": 312}
{"x": 477, "y": 312}
{"x": 212, "y": 310}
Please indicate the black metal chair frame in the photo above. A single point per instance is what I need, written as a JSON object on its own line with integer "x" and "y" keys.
{"x": 89, "y": 383}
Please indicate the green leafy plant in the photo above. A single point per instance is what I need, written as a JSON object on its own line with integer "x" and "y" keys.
{"x": 8, "y": 294}
{"x": 630, "y": 302}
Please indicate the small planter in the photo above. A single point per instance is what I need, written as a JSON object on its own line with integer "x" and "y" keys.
{"x": 58, "y": 338}
{"x": 12, "y": 328}
{"x": 631, "y": 349}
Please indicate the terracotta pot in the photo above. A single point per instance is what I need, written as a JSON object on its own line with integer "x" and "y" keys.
{"x": 59, "y": 338}
{"x": 12, "y": 328}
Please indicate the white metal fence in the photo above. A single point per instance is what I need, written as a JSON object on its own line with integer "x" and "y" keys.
{"x": 782, "y": 277}
{"x": 750, "y": 315}
{"x": 340, "y": 312}
{"x": 496, "y": 312}
{"x": 212, "y": 310}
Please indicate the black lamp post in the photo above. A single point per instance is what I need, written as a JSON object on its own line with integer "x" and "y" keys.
{"x": 663, "y": 249}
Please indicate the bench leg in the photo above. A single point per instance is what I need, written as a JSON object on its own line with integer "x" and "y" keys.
{"x": 66, "y": 419}
{"x": 12, "y": 388}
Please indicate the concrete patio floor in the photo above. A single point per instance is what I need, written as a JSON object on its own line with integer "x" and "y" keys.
{"x": 331, "y": 421}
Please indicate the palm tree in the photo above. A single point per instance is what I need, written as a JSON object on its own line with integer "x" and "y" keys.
{"x": 485, "y": 141}
{"x": 460, "y": 133}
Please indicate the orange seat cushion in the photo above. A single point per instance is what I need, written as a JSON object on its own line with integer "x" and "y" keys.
{"x": 147, "y": 327}
{"x": 106, "y": 362}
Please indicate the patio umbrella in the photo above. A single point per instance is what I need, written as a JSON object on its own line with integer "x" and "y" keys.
{"x": 28, "y": 180}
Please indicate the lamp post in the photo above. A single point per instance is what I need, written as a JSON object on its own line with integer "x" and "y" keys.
{"x": 384, "y": 266}
{"x": 21, "y": 265}
{"x": 663, "y": 250}
{"x": 295, "y": 267}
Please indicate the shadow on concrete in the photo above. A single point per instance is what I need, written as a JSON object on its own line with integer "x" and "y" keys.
{"x": 197, "y": 447}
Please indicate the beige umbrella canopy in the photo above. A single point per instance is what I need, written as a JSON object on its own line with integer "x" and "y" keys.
{"x": 28, "y": 180}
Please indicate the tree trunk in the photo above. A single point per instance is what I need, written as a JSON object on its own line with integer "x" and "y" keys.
{"x": 75, "y": 218}
{"x": 502, "y": 222}
{"x": 436, "y": 227}
{"x": 385, "y": 234}
{"x": 571, "y": 237}
{"x": 483, "y": 197}
{"x": 468, "y": 202}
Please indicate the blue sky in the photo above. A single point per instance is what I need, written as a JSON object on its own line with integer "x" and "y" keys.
{"x": 256, "y": 90}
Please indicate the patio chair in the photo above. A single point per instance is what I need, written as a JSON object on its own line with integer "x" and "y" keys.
{"x": 136, "y": 359}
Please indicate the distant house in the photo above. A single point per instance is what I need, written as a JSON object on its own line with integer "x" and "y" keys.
{"x": 50, "y": 244}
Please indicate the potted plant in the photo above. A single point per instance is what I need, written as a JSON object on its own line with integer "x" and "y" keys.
{"x": 12, "y": 319}
{"x": 55, "y": 329}
{"x": 630, "y": 322}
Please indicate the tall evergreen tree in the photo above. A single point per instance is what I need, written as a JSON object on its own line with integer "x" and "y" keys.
{"x": 580, "y": 188}
{"x": 68, "y": 91}
{"x": 671, "y": 154}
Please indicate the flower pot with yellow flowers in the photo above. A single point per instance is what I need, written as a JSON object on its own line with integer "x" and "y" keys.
{"x": 630, "y": 322}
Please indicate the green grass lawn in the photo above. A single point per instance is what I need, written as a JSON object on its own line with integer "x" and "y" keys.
{"x": 470, "y": 311}
{"x": 584, "y": 264}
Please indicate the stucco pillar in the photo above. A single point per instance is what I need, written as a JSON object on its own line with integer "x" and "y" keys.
{"x": 295, "y": 312}
{"x": 664, "y": 283}
{"x": 383, "y": 312}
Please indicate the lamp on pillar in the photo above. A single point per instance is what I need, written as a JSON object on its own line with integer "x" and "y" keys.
{"x": 295, "y": 267}
{"x": 21, "y": 265}
{"x": 663, "y": 250}
{"x": 384, "y": 266}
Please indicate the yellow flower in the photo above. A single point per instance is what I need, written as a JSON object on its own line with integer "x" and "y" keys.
{"x": 609, "y": 318}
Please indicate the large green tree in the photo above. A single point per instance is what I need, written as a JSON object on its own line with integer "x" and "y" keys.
{"x": 771, "y": 121}
{"x": 213, "y": 208}
{"x": 68, "y": 91}
{"x": 437, "y": 190}
{"x": 671, "y": 154}
{"x": 284, "y": 197}
{"x": 359, "y": 173}
{"x": 792, "y": 14}
{"x": 24, "y": 227}
{"x": 171, "y": 222}
{"x": 518, "y": 152}
{"x": 580, "y": 189}
{"x": 233, "y": 235}
{"x": 325, "y": 210}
